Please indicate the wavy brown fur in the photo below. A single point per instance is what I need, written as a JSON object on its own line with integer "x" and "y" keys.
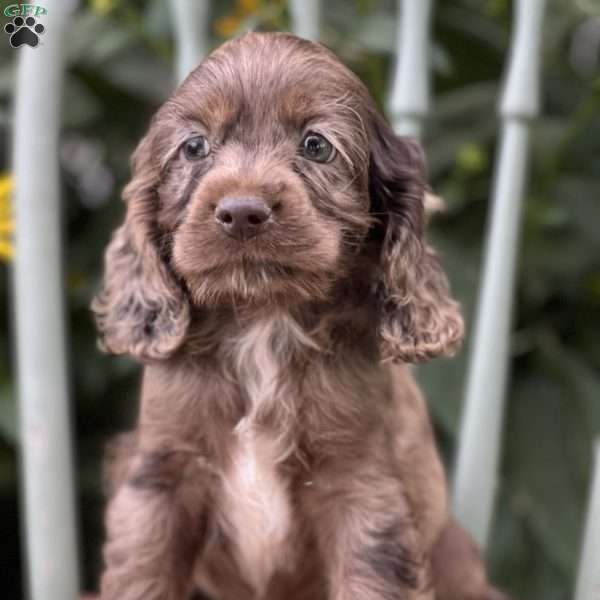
{"x": 278, "y": 454}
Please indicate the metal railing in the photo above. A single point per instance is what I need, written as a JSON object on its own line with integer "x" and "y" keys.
{"x": 481, "y": 431}
{"x": 47, "y": 471}
{"x": 409, "y": 99}
{"x": 47, "y": 464}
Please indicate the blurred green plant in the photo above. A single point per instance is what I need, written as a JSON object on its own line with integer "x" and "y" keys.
{"x": 120, "y": 69}
{"x": 103, "y": 7}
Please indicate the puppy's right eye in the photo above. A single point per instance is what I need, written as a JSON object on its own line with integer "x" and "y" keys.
{"x": 317, "y": 148}
{"x": 196, "y": 148}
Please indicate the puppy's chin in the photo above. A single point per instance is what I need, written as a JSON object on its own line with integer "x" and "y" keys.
{"x": 257, "y": 285}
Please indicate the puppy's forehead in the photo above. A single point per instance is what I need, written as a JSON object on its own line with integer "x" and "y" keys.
{"x": 263, "y": 79}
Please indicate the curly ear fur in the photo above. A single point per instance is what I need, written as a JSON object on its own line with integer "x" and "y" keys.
{"x": 141, "y": 309}
{"x": 418, "y": 318}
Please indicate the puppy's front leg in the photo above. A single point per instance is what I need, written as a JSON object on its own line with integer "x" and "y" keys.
{"x": 155, "y": 525}
{"x": 367, "y": 538}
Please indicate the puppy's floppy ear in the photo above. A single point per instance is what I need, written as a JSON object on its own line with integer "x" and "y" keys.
{"x": 141, "y": 309}
{"x": 418, "y": 318}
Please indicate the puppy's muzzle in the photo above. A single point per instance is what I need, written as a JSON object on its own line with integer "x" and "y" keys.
{"x": 242, "y": 218}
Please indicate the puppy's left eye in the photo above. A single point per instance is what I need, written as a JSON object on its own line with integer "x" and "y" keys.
{"x": 316, "y": 147}
{"x": 196, "y": 147}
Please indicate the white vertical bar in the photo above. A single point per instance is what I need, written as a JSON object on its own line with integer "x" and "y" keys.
{"x": 40, "y": 332}
{"x": 481, "y": 430}
{"x": 409, "y": 100}
{"x": 190, "y": 21}
{"x": 306, "y": 16}
{"x": 588, "y": 578}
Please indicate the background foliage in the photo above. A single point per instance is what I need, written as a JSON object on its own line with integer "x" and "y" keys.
{"x": 120, "y": 56}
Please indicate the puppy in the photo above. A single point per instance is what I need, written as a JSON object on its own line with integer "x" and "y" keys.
{"x": 272, "y": 276}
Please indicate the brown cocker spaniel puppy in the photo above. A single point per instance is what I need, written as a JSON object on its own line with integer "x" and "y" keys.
{"x": 272, "y": 276}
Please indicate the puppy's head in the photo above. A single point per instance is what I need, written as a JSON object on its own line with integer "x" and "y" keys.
{"x": 260, "y": 181}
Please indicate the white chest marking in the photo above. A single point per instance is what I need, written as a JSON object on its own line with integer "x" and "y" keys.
{"x": 257, "y": 506}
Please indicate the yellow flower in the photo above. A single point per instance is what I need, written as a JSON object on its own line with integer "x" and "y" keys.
{"x": 249, "y": 6}
{"x": 6, "y": 222}
{"x": 230, "y": 24}
{"x": 471, "y": 158}
{"x": 227, "y": 26}
{"x": 103, "y": 7}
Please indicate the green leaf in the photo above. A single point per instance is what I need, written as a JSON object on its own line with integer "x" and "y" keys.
{"x": 9, "y": 426}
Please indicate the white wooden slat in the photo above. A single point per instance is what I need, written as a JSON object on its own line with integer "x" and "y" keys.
{"x": 306, "y": 16}
{"x": 190, "y": 22}
{"x": 46, "y": 460}
{"x": 476, "y": 472}
{"x": 588, "y": 578}
{"x": 409, "y": 99}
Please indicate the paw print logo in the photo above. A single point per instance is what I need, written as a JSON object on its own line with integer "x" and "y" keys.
{"x": 24, "y": 31}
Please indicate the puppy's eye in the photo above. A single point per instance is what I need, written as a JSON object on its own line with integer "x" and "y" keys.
{"x": 196, "y": 148}
{"x": 316, "y": 147}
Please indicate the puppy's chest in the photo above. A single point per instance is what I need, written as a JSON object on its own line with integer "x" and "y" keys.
{"x": 258, "y": 356}
{"x": 257, "y": 506}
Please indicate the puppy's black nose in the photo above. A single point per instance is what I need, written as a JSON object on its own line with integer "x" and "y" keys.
{"x": 242, "y": 218}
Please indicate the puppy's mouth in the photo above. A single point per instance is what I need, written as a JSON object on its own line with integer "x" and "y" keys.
{"x": 251, "y": 282}
{"x": 287, "y": 262}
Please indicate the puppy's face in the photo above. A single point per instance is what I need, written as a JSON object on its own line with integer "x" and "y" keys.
{"x": 263, "y": 192}
{"x": 258, "y": 183}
